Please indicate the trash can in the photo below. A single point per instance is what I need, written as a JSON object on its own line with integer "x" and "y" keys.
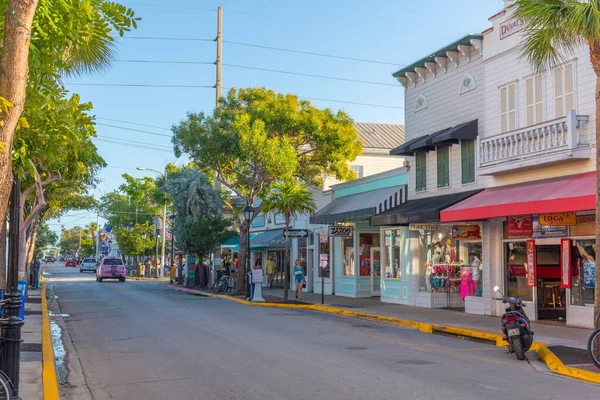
{"x": 22, "y": 288}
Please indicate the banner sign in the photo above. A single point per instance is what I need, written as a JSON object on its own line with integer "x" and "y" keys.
{"x": 586, "y": 226}
{"x": 565, "y": 263}
{"x": 520, "y": 225}
{"x": 466, "y": 232}
{"x": 544, "y": 231}
{"x": 323, "y": 237}
{"x": 511, "y": 26}
{"x": 423, "y": 227}
{"x": 341, "y": 231}
{"x": 531, "y": 263}
{"x": 558, "y": 219}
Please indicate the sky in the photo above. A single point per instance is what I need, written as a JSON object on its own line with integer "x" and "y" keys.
{"x": 388, "y": 33}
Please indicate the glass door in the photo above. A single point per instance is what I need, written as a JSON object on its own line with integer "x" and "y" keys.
{"x": 375, "y": 271}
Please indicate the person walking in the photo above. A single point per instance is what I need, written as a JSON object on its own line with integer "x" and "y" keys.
{"x": 271, "y": 270}
{"x": 298, "y": 278}
{"x": 172, "y": 272}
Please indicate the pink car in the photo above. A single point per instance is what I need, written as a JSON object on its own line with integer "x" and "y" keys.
{"x": 110, "y": 268}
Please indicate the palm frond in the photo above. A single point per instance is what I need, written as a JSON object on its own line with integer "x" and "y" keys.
{"x": 291, "y": 199}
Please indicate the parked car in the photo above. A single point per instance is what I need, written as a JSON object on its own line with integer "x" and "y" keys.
{"x": 111, "y": 268}
{"x": 88, "y": 264}
{"x": 70, "y": 263}
{"x": 49, "y": 259}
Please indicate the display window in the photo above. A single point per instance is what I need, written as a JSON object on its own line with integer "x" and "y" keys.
{"x": 367, "y": 242}
{"x": 348, "y": 257}
{"x": 302, "y": 253}
{"x": 392, "y": 247}
{"x": 324, "y": 262}
{"x": 583, "y": 272}
{"x": 517, "y": 271}
{"x": 452, "y": 260}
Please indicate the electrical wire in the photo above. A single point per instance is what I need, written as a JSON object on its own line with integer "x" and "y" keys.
{"x": 136, "y": 142}
{"x": 112, "y": 141}
{"x": 166, "y": 62}
{"x": 134, "y": 123}
{"x": 167, "y": 38}
{"x": 134, "y": 130}
{"x": 141, "y": 85}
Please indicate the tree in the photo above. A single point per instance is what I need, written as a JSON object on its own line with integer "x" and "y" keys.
{"x": 554, "y": 28}
{"x": 290, "y": 199}
{"x": 131, "y": 242}
{"x": 46, "y": 237}
{"x": 256, "y": 137}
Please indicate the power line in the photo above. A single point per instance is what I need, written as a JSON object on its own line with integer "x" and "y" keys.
{"x": 136, "y": 142}
{"x": 140, "y": 85}
{"x": 134, "y": 123}
{"x": 352, "y": 102}
{"x": 166, "y": 62}
{"x": 176, "y": 39}
{"x": 311, "y": 75}
{"x": 172, "y": 6}
{"x": 116, "y": 166}
{"x": 134, "y": 130}
{"x": 137, "y": 146}
{"x": 311, "y": 53}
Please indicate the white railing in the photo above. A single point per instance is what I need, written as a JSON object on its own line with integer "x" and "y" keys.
{"x": 555, "y": 135}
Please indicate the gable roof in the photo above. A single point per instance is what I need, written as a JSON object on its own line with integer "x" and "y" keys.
{"x": 380, "y": 136}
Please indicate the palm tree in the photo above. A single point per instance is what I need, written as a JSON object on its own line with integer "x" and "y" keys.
{"x": 290, "y": 199}
{"x": 555, "y": 28}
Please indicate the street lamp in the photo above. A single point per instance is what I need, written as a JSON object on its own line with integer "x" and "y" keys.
{"x": 164, "y": 218}
{"x": 143, "y": 252}
{"x": 248, "y": 212}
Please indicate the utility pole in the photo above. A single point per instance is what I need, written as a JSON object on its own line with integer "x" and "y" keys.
{"x": 164, "y": 232}
{"x": 97, "y": 235}
{"x": 156, "y": 262}
{"x": 218, "y": 90}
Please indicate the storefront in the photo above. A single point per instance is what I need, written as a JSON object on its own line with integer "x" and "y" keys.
{"x": 267, "y": 245}
{"x": 543, "y": 246}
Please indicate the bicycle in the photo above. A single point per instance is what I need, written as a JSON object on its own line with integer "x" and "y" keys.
{"x": 226, "y": 284}
{"x": 593, "y": 345}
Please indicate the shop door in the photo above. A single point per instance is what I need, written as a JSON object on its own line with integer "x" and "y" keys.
{"x": 550, "y": 295}
{"x": 308, "y": 274}
{"x": 375, "y": 271}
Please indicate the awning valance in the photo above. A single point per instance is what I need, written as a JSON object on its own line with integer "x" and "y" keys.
{"x": 420, "y": 210}
{"x": 564, "y": 194}
{"x": 359, "y": 205}
{"x": 265, "y": 239}
{"x": 464, "y": 131}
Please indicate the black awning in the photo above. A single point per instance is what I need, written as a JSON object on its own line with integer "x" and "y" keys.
{"x": 426, "y": 143}
{"x": 465, "y": 131}
{"x": 420, "y": 210}
{"x": 404, "y": 150}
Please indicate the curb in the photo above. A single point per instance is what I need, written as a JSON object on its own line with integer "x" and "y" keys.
{"x": 137, "y": 278}
{"x": 550, "y": 359}
{"x": 49, "y": 378}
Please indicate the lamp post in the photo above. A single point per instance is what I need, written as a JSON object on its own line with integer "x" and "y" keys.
{"x": 164, "y": 217}
{"x": 248, "y": 212}
{"x": 143, "y": 252}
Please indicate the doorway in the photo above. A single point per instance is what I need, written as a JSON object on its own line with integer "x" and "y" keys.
{"x": 550, "y": 295}
{"x": 375, "y": 271}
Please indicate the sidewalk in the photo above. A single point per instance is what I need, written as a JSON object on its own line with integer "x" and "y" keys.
{"x": 30, "y": 387}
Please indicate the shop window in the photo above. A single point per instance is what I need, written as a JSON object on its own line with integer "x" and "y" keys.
{"x": 324, "y": 262}
{"x": 367, "y": 242}
{"x": 348, "y": 257}
{"x": 392, "y": 246}
{"x": 258, "y": 221}
{"x": 534, "y": 100}
{"x": 583, "y": 273}
{"x": 358, "y": 169}
{"x": 279, "y": 219}
{"x": 421, "y": 172}
{"x": 302, "y": 254}
{"x": 451, "y": 257}
{"x": 443, "y": 166}
{"x": 467, "y": 161}
{"x": 563, "y": 90}
{"x": 508, "y": 109}
{"x": 516, "y": 271}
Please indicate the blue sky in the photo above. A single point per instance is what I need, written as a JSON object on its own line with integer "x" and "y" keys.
{"x": 390, "y": 31}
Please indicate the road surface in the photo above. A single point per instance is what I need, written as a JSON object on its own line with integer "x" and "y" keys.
{"x": 142, "y": 340}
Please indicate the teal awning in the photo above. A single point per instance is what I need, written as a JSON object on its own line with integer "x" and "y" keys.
{"x": 233, "y": 244}
{"x": 266, "y": 239}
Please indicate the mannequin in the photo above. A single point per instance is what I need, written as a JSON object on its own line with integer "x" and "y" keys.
{"x": 476, "y": 268}
{"x": 428, "y": 273}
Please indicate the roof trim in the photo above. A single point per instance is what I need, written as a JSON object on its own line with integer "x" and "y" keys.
{"x": 465, "y": 40}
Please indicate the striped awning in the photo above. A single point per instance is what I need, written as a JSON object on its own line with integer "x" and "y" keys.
{"x": 395, "y": 199}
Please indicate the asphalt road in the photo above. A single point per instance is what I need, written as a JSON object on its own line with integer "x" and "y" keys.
{"x": 142, "y": 340}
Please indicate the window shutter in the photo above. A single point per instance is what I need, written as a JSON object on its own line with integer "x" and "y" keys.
{"x": 558, "y": 93}
{"x": 539, "y": 99}
{"x": 443, "y": 168}
{"x": 467, "y": 156}
{"x": 421, "y": 172}
{"x": 512, "y": 112}
{"x": 568, "y": 88}
{"x": 530, "y": 101}
{"x": 503, "y": 111}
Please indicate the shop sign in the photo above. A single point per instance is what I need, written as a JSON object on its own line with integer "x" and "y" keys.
{"x": 323, "y": 260}
{"x": 520, "y": 225}
{"x": 511, "y": 26}
{"x": 531, "y": 261}
{"x": 542, "y": 231}
{"x": 323, "y": 237}
{"x": 466, "y": 232}
{"x": 558, "y": 219}
{"x": 341, "y": 231}
{"x": 586, "y": 226}
{"x": 423, "y": 227}
{"x": 565, "y": 263}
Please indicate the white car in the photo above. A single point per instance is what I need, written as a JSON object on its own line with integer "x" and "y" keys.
{"x": 88, "y": 264}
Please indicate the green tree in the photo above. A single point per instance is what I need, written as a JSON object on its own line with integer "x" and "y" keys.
{"x": 290, "y": 199}
{"x": 46, "y": 237}
{"x": 134, "y": 203}
{"x": 131, "y": 242}
{"x": 256, "y": 137}
{"x": 554, "y": 29}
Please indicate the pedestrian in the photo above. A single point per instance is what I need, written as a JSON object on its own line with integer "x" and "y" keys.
{"x": 271, "y": 270}
{"x": 298, "y": 278}
{"x": 172, "y": 272}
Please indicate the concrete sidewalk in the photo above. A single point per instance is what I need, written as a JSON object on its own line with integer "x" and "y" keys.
{"x": 30, "y": 387}
{"x": 553, "y": 335}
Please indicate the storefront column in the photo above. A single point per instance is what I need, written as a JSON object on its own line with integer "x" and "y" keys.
{"x": 494, "y": 263}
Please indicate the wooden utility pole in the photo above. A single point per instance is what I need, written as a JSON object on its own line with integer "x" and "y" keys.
{"x": 218, "y": 95}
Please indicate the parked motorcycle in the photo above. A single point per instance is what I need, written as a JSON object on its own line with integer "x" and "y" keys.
{"x": 515, "y": 326}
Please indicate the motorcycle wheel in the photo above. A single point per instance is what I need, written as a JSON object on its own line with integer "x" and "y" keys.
{"x": 518, "y": 348}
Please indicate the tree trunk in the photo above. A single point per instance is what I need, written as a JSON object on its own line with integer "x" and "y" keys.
{"x": 595, "y": 59}
{"x": 13, "y": 83}
{"x": 3, "y": 253}
{"x": 243, "y": 256}
{"x": 286, "y": 263}
{"x": 31, "y": 238}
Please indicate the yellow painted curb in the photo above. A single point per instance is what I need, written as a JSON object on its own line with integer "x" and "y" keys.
{"x": 551, "y": 360}
{"x": 49, "y": 378}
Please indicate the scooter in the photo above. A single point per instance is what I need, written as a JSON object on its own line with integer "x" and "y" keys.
{"x": 515, "y": 326}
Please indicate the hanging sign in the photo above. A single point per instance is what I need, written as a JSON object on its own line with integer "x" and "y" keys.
{"x": 586, "y": 226}
{"x": 511, "y": 26}
{"x": 531, "y": 263}
{"x": 519, "y": 225}
{"x": 558, "y": 219}
{"x": 565, "y": 263}
{"x": 423, "y": 227}
{"x": 323, "y": 237}
{"x": 466, "y": 232}
{"x": 341, "y": 231}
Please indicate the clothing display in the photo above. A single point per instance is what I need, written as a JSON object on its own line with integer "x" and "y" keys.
{"x": 468, "y": 285}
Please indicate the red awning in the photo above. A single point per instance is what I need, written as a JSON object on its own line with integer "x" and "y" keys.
{"x": 567, "y": 193}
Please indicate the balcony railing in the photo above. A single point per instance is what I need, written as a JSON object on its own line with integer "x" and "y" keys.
{"x": 559, "y": 135}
